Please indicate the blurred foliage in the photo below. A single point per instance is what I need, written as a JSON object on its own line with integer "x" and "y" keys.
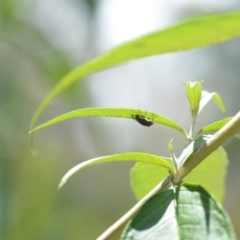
{"x": 30, "y": 205}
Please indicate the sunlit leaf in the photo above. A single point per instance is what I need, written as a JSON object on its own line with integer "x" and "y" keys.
{"x": 213, "y": 127}
{"x": 134, "y": 156}
{"x": 211, "y": 173}
{"x": 112, "y": 112}
{"x": 189, "y": 212}
{"x": 193, "y": 33}
{"x": 194, "y": 93}
{"x": 206, "y": 97}
{"x": 144, "y": 177}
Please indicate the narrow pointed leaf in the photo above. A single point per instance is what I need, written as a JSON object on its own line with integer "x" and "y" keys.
{"x": 112, "y": 112}
{"x": 134, "y": 156}
{"x": 173, "y": 157}
{"x": 214, "y": 127}
{"x": 206, "y": 97}
{"x": 211, "y": 173}
{"x": 193, "y": 33}
{"x": 188, "y": 213}
{"x": 144, "y": 177}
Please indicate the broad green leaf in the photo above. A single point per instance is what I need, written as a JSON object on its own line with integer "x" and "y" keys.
{"x": 194, "y": 93}
{"x": 112, "y": 112}
{"x": 156, "y": 218}
{"x": 189, "y": 212}
{"x": 144, "y": 177}
{"x": 134, "y": 156}
{"x": 193, "y": 33}
{"x": 214, "y": 127}
{"x": 207, "y": 96}
{"x": 211, "y": 173}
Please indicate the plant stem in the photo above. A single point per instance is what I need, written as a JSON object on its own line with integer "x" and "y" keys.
{"x": 191, "y": 131}
{"x": 226, "y": 132}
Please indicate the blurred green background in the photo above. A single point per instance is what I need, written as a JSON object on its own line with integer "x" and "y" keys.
{"x": 40, "y": 41}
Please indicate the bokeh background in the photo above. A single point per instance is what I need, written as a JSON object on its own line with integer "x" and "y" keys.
{"x": 40, "y": 41}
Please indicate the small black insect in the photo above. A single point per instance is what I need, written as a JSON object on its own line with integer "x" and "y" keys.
{"x": 143, "y": 120}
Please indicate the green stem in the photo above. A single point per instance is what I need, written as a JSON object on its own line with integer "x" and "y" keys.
{"x": 191, "y": 131}
{"x": 226, "y": 132}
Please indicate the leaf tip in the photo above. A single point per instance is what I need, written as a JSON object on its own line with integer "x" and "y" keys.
{"x": 183, "y": 83}
{"x": 223, "y": 108}
{"x": 60, "y": 185}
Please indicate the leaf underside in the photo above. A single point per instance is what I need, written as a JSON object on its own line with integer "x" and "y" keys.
{"x": 206, "y": 97}
{"x": 189, "y": 212}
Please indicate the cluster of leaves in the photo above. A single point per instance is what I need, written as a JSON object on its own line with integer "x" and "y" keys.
{"x": 170, "y": 210}
{"x": 197, "y": 99}
{"x": 152, "y": 169}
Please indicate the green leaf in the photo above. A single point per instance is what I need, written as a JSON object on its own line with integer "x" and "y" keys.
{"x": 193, "y": 33}
{"x": 194, "y": 93}
{"x": 156, "y": 218}
{"x": 134, "y": 156}
{"x": 211, "y": 173}
{"x": 144, "y": 177}
{"x": 189, "y": 212}
{"x": 214, "y": 127}
{"x": 112, "y": 112}
{"x": 206, "y": 97}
